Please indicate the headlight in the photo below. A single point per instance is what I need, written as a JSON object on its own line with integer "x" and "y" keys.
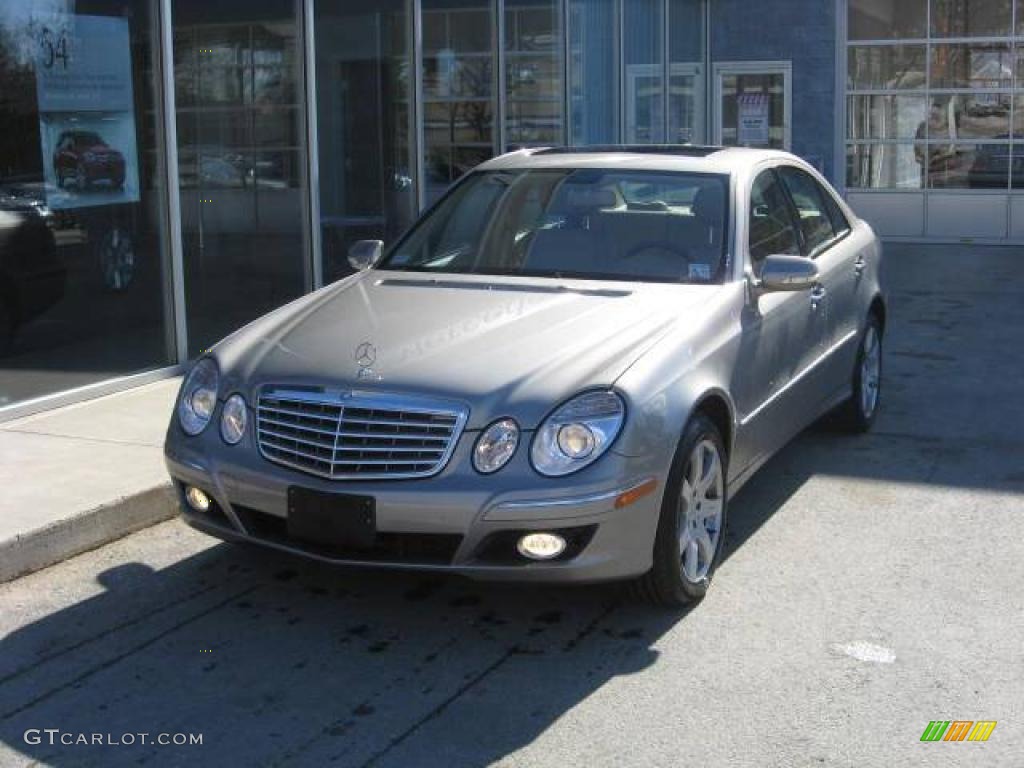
{"x": 233, "y": 417}
{"x": 198, "y": 397}
{"x": 578, "y": 433}
{"x": 495, "y": 446}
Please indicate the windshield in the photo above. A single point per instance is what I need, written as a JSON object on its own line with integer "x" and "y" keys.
{"x": 586, "y": 223}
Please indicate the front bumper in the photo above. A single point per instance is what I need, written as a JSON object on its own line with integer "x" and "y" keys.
{"x": 459, "y": 508}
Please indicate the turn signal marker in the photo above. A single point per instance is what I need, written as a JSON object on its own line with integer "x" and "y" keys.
{"x": 635, "y": 493}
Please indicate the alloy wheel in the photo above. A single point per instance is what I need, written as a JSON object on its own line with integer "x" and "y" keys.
{"x": 117, "y": 260}
{"x": 870, "y": 372}
{"x": 701, "y": 503}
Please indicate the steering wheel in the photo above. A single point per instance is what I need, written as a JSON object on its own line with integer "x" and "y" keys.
{"x": 665, "y": 246}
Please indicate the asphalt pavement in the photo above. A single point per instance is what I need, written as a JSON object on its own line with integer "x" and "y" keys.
{"x": 871, "y": 585}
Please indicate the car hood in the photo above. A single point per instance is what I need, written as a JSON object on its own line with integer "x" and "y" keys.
{"x": 502, "y": 346}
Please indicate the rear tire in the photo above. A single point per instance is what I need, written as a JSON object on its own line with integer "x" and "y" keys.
{"x": 858, "y": 414}
{"x": 691, "y": 529}
{"x": 6, "y": 329}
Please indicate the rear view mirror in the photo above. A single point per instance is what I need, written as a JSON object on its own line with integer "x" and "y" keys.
{"x": 788, "y": 273}
{"x": 364, "y": 254}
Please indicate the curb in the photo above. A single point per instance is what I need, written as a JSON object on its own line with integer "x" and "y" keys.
{"x": 66, "y": 538}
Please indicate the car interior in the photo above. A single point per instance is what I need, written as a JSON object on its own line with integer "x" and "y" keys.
{"x": 647, "y": 238}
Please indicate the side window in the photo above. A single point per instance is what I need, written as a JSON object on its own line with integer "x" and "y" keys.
{"x": 771, "y": 222}
{"x": 839, "y": 222}
{"x": 815, "y": 222}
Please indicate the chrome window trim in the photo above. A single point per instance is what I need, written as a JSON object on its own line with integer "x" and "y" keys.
{"x": 353, "y": 398}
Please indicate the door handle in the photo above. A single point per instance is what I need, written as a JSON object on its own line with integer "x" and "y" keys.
{"x": 859, "y": 265}
{"x": 818, "y": 294}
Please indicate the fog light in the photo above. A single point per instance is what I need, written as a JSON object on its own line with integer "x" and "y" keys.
{"x": 541, "y": 546}
{"x": 197, "y": 499}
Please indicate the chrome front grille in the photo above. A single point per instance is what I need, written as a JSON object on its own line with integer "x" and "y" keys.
{"x": 346, "y": 435}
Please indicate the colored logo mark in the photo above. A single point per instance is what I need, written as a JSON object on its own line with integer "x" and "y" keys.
{"x": 958, "y": 730}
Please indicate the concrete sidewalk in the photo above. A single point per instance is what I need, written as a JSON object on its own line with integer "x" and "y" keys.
{"x": 80, "y": 476}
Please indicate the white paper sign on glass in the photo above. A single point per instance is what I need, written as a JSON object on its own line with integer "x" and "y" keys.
{"x": 754, "y": 125}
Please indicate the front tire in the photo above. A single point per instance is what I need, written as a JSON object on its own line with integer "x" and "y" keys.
{"x": 858, "y": 413}
{"x": 691, "y": 529}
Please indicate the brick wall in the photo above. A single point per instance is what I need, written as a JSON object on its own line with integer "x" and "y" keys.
{"x": 802, "y": 32}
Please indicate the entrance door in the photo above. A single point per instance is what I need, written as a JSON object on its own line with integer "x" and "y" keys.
{"x": 685, "y": 103}
{"x": 753, "y": 104}
{"x": 645, "y": 102}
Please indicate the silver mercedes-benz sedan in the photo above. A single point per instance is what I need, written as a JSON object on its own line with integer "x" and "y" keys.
{"x": 561, "y": 372}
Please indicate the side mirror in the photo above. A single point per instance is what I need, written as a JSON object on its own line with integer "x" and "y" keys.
{"x": 788, "y": 273}
{"x": 364, "y": 254}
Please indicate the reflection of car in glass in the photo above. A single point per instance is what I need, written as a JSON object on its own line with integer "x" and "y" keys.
{"x": 85, "y": 158}
{"x": 560, "y": 373}
{"x": 992, "y": 164}
{"x": 31, "y": 275}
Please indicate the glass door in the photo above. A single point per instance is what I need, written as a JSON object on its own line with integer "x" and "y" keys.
{"x": 752, "y": 104}
{"x": 241, "y": 160}
{"x": 685, "y": 104}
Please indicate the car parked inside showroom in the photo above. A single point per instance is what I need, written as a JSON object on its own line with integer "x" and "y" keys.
{"x": 562, "y": 372}
{"x": 32, "y": 276}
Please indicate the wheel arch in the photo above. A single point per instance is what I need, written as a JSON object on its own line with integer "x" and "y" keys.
{"x": 716, "y": 406}
{"x": 877, "y": 308}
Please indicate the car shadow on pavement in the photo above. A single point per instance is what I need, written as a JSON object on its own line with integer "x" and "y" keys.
{"x": 278, "y": 661}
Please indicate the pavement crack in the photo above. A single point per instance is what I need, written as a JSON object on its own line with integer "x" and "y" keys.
{"x": 588, "y": 629}
{"x": 443, "y": 705}
{"x": 516, "y": 649}
{"x": 82, "y": 438}
{"x": 105, "y": 633}
{"x": 121, "y": 656}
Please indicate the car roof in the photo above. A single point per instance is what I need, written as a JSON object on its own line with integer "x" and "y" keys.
{"x": 648, "y": 157}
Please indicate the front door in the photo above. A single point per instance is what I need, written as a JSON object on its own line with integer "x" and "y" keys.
{"x": 823, "y": 229}
{"x": 783, "y": 332}
{"x": 752, "y": 104}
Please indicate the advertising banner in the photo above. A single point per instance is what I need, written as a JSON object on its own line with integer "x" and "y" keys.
{"x": 86, "y": 111}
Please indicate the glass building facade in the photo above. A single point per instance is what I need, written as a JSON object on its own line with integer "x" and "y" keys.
{"x": 935, "y": 116}
{"x": 172, "y": 169}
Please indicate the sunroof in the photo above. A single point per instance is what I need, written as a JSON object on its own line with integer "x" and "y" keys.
{"x": 683, "y": 150}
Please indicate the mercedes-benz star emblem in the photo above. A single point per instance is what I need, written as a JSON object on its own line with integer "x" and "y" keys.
{"x": 366, "y": 355}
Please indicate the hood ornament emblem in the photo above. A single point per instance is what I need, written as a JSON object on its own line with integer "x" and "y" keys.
{"x": 365, "y": 357}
